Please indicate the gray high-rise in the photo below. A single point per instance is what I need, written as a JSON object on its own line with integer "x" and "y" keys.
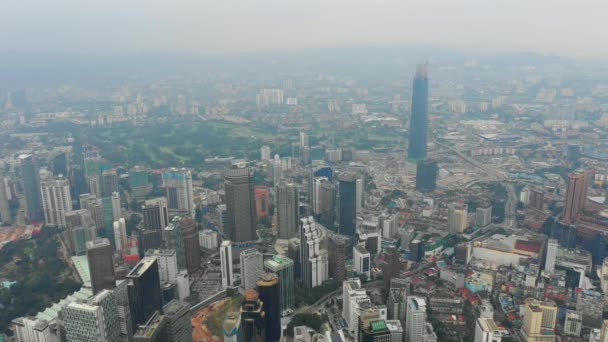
{"x": 419, "y": 119}
{"x": 240, "y": 203}
{"x": 31, "y": 187}
{"x": 145, "y": 297}
{"x": 101, "y": 264}
{"x": 288, "y": 206}
{"x": 5, "y": 212}
{"x": 347, "y": 213}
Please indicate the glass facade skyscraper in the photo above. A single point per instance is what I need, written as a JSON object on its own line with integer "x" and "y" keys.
{"x": 419, "y": 118}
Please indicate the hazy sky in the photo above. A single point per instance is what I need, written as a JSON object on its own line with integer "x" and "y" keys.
{"x": 109, "y": 27}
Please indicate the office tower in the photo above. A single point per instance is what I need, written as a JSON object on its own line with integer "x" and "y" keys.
{"x": 116, "y": 207}
{"x": 268, "y": 289}
{"x": 483, "y": 216}
{"x": 95, "y": 206}
{"x": 56, "y": 200}
{"x": 573, "y": 324}
{"x": 347, "y": 213}
{"x": 539, "y": 320}
{"x": 240, "y": 203}
{"x": 388, "y": 224}
{"x": 60, "y": 165}
{"x": 109, "y": 182}
{"x": 78, "y": 182}
{"x": 182, "y": 236}
{"x": 415, "y": 319}
{"x": 327, "y": 210}
{"x": 183, "y": 285}
{"x": 79, "y": 228}
{"x": 359, "y": 191}
{"x": 536, "y": 199}
{"x": 576, "y": 195}
{"x": 457, "y": 218}
{"x": 101, "y": 264}
{"x": 85, "y": 322}
{"x": 252, "y": 267}
{"x": 426, "y": 175}
{"x": 395, "y": 329}
{"x": 145, "y": 297}
{"x": 487, "y": 331}
{"x": 262, "y": 201}
{"x": 153, "y": 330}
{"x": 31, "y": 187}
{"x": 139, "y": 181}
{"x": 178, "y": 187}
{"x": 108, "y": 218}
{"x": 232, "y": 327}
{"x": 156, "y": 214}
{"x": 283, "y": 268}
{"x": 552, "y": 250}
{"x": 94, "y": 184}
{"x": 5, "y": 210}
{"x": 288, "y": 206}
{"x": 33, "y": 329}
{"x": 375, "y": 331}
{"x": 208, "y": 239}
{"x": 120, "y": 235}
{"x": 167, "y": 264}
{"x": 337, "y": 256}
{"x": 361, "y": 260}
{"x": 253, "y": 318}
{"x": 314, "y": 263}
{"x": 109, "y": 301}
{"x": 316, "y": 194}
{"x": 396, "y": 303}
{"x": 226, "y": 264}
{"x": 419, "y": 114}
{"x": 417, "y": 252}
{"x": 351, "y": 291}
{"x": 392, "y": 265}
{"x": 150, "y": 239}
{"x": 179, "y": 324}
{"x": 265, "y": 153}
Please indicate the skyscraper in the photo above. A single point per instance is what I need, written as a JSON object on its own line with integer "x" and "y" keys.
{"x": 327, "y": 210}
{"x": 145, "y": 297}
{"x": 31, "y": 187}
{"x": 539, "y": 320}
{"x": 109, "y": 182}
{"x": 95, "y": 206}
{"x": 178, "y": 236}
{"x": 101, "y": 264}
{"x": 415, "y": 319}
{"x": 226, "y": 263}
{"x": 156, "y": 214}
{"x": 192, "y": 249}
{"x": 120, "y": 235}
{"x": 283, "y": 268}
{"x": 116, "y": 206}
{"x": 337, "y": 256}
{"x": 60, "y": 164}
{"x": 139, "y": 182}
{"x": 576, "y": 195}
{"x": 253, "y": 318}
{"x": 178, "y": 186}
{"x": 179, "y": 324}
{"x": 56, "y": 200}
{"x": 426, "y": 175}
{"x": 153, "y": 330}
{"x": 268, "y": 288}
{"x": 313, "y": 259}
{"x": 85, "y": 322}
{"x": 167, "y": 264}
{"x": 347, "y": 214}
{"x": 392, "y": 265}
{"x": 77, "y": 238}
{"x": 419, "y": 116}
{"x": 552, "y": 250}
{"x": 252, "y": 267}
{"x": 240, "y": 203}
{"x": 457, "y": 218}
{"x": 483, "y": 216}
{"x": 288, "y": 206}
{"x": 5, "y": 212}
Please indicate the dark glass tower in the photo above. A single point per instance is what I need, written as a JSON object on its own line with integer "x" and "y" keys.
{"x": 252, "y": 318}
{"x": 347, "y": 213}
{"x": 268, "y": 287}
{"x": 426, "y": 175}
{"x": 240, "y": 203}
{"x": 145, "y": 296}
{"x": 31, "y": 187}
{"x": 419, "y": 121}
{"x": 101, "y": 264}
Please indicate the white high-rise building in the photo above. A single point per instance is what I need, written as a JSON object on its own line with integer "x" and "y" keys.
{"x": 314, "y": 260}
{"x": 457, "y": 218}
{"x": 183, "y": 285}
{"x": 415, "y": 319}
{"x": 116, "y": 208}
{"x": 552, "y": 250}
{"x": 265, "y": 153}
{"x": 56, "y": 200}
{"x": 226, "y": 264}
{"x": 207, "y": 239}
{"x": 120, "y": 235}
{"x": 30, "y": 329}
{"x": 167, "y": 264}
{"x": 359, "y": 192}
{"x": 351, "y": 291}
{"x": 316, "y": 194}
{"x": 483, "y": 216}
{"x": 389, "y": 225}
{"x": 84, "y": 322}
{"x": 178, "y": 185}
{"x": 487, "y": 331}
{"x": 252, "y": 267}
{"x": 362, "y": 260}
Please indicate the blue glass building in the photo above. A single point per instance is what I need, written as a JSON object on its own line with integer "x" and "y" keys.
{"x": 419, "y": 121}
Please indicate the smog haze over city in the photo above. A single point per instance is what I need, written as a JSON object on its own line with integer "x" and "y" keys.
{"x": 262, "y": 171}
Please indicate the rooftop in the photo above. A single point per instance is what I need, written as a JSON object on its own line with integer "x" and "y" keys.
{"x": 141, "y": 267}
